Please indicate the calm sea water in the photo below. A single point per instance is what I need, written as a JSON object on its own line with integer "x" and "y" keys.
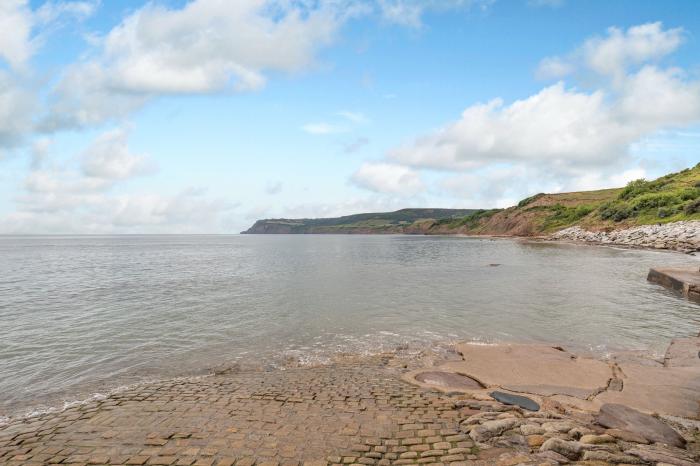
{"x": 80, "y": 315}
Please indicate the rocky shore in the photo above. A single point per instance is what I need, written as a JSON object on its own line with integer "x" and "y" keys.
{"x": 678, "y": 236}
{"x": 458, "y": 409}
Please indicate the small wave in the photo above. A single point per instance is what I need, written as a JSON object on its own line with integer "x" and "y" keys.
{"x": 92, "y": 398}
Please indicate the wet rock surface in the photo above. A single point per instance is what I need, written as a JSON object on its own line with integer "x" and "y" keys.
{"x": 678, "y": 236}
{"x": 617, "y": 416}
{"x": 448, "y": 380}
{"x": 516, "y": 400}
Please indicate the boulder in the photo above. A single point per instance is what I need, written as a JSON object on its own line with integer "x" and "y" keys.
{"x": 626, "y": 436}
{"x": 490, "y": 429}
{"x": 569, "y": 449}
{"x": 596, "y": 439}
{"x": 531, "y": 429}
{"x": 617, "y": 416}
{"x": 654, "y": 454}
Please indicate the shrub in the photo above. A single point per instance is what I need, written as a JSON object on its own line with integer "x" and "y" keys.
{"x": 635, "y": 188}
{"x": 664, "y": 212}
{"x": 616, "y": 211}
{"x": 530, "y": 200}
{"x": 693, "y": 207}
{"x": 653, "y": 200}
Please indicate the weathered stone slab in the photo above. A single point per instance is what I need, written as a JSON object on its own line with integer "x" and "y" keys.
{"x": 448, "y": 380}
{"x": 517, "y": 400}
{"x": 683, "y": 352}
{"x": 531, "y": 369}
{"x": 673, "y": 391}
{"x": 617, "y": 416}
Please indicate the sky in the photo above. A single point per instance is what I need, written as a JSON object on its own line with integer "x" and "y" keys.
{"x": 201, "y": 116}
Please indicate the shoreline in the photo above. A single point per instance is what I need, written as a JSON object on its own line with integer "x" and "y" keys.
{"x": 353, "y": 404}
{"x": 414, "y": 354}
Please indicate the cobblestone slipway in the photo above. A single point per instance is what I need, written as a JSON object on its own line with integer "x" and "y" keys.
{"x": 355, "y": 413}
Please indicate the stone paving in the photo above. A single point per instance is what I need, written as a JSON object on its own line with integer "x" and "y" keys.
{"x": 351, "y": 413}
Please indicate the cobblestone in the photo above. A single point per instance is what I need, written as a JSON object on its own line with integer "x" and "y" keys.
{"x": 354, "y": 413}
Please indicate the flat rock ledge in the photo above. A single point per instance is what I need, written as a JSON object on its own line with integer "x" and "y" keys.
{"x": 551, "y": 374}
{"x": 677, "y": 236}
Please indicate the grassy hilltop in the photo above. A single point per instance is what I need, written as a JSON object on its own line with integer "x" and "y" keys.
{"x": 399, "y": 221}
{"x": 671, "y": 198}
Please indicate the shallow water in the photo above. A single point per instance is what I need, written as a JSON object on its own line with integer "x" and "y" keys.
{"x": 84, "y": 314}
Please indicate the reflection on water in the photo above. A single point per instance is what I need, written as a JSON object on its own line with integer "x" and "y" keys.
{"x": 78, "y": 314}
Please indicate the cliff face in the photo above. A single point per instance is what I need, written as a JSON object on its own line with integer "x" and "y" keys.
{"x": 270, "y": 227}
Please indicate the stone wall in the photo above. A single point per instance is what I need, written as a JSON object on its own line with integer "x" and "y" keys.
{"x": 679, "y": 236}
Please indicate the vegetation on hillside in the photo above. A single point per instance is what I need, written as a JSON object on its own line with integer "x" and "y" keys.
{"x": 380, "y": 222}
{"x": 670, "y": 198}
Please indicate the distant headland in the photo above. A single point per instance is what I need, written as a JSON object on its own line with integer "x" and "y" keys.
{"x": 667, "y": 200}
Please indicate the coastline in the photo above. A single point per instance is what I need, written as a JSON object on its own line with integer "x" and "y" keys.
{"x": 364, "y": 410}
{"x": 681, "y": 236}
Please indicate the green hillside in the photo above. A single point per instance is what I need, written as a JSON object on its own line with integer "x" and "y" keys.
{"x": 379, "y": 222}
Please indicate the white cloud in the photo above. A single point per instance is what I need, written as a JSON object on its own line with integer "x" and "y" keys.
{"x": 208, "y": 43}
{"x": 557, "y": 125}
{"x": 652, "y": 99}
{"x": 109, "y": 157}
{"x": 40, "y": 152}
{"x": 554, "y": 68}
{"x": 15, "y": 32}
{"x": 59, "y": 199}
{"x": 17, "y": 106}
{"x": 354, "y": 117}
{"x": 545, "y": 3}
{"x": 22, "y": 32}
{"x": 22, "y": 29}
{"x": 92, "y": 211}
{"x": 83, "y": 98}
{"x": 347, "y": 121}
{"x": 52, "y": 11}
{"x": 321, "y": 128}
{"x": 410, "y": 12}
{"x": 389, "y": 178}
{"x": 613, "y": 54}
{"x": 205, "y": 46}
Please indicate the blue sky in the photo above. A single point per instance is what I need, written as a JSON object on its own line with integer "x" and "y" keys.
{"x": 204, "y": 115}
